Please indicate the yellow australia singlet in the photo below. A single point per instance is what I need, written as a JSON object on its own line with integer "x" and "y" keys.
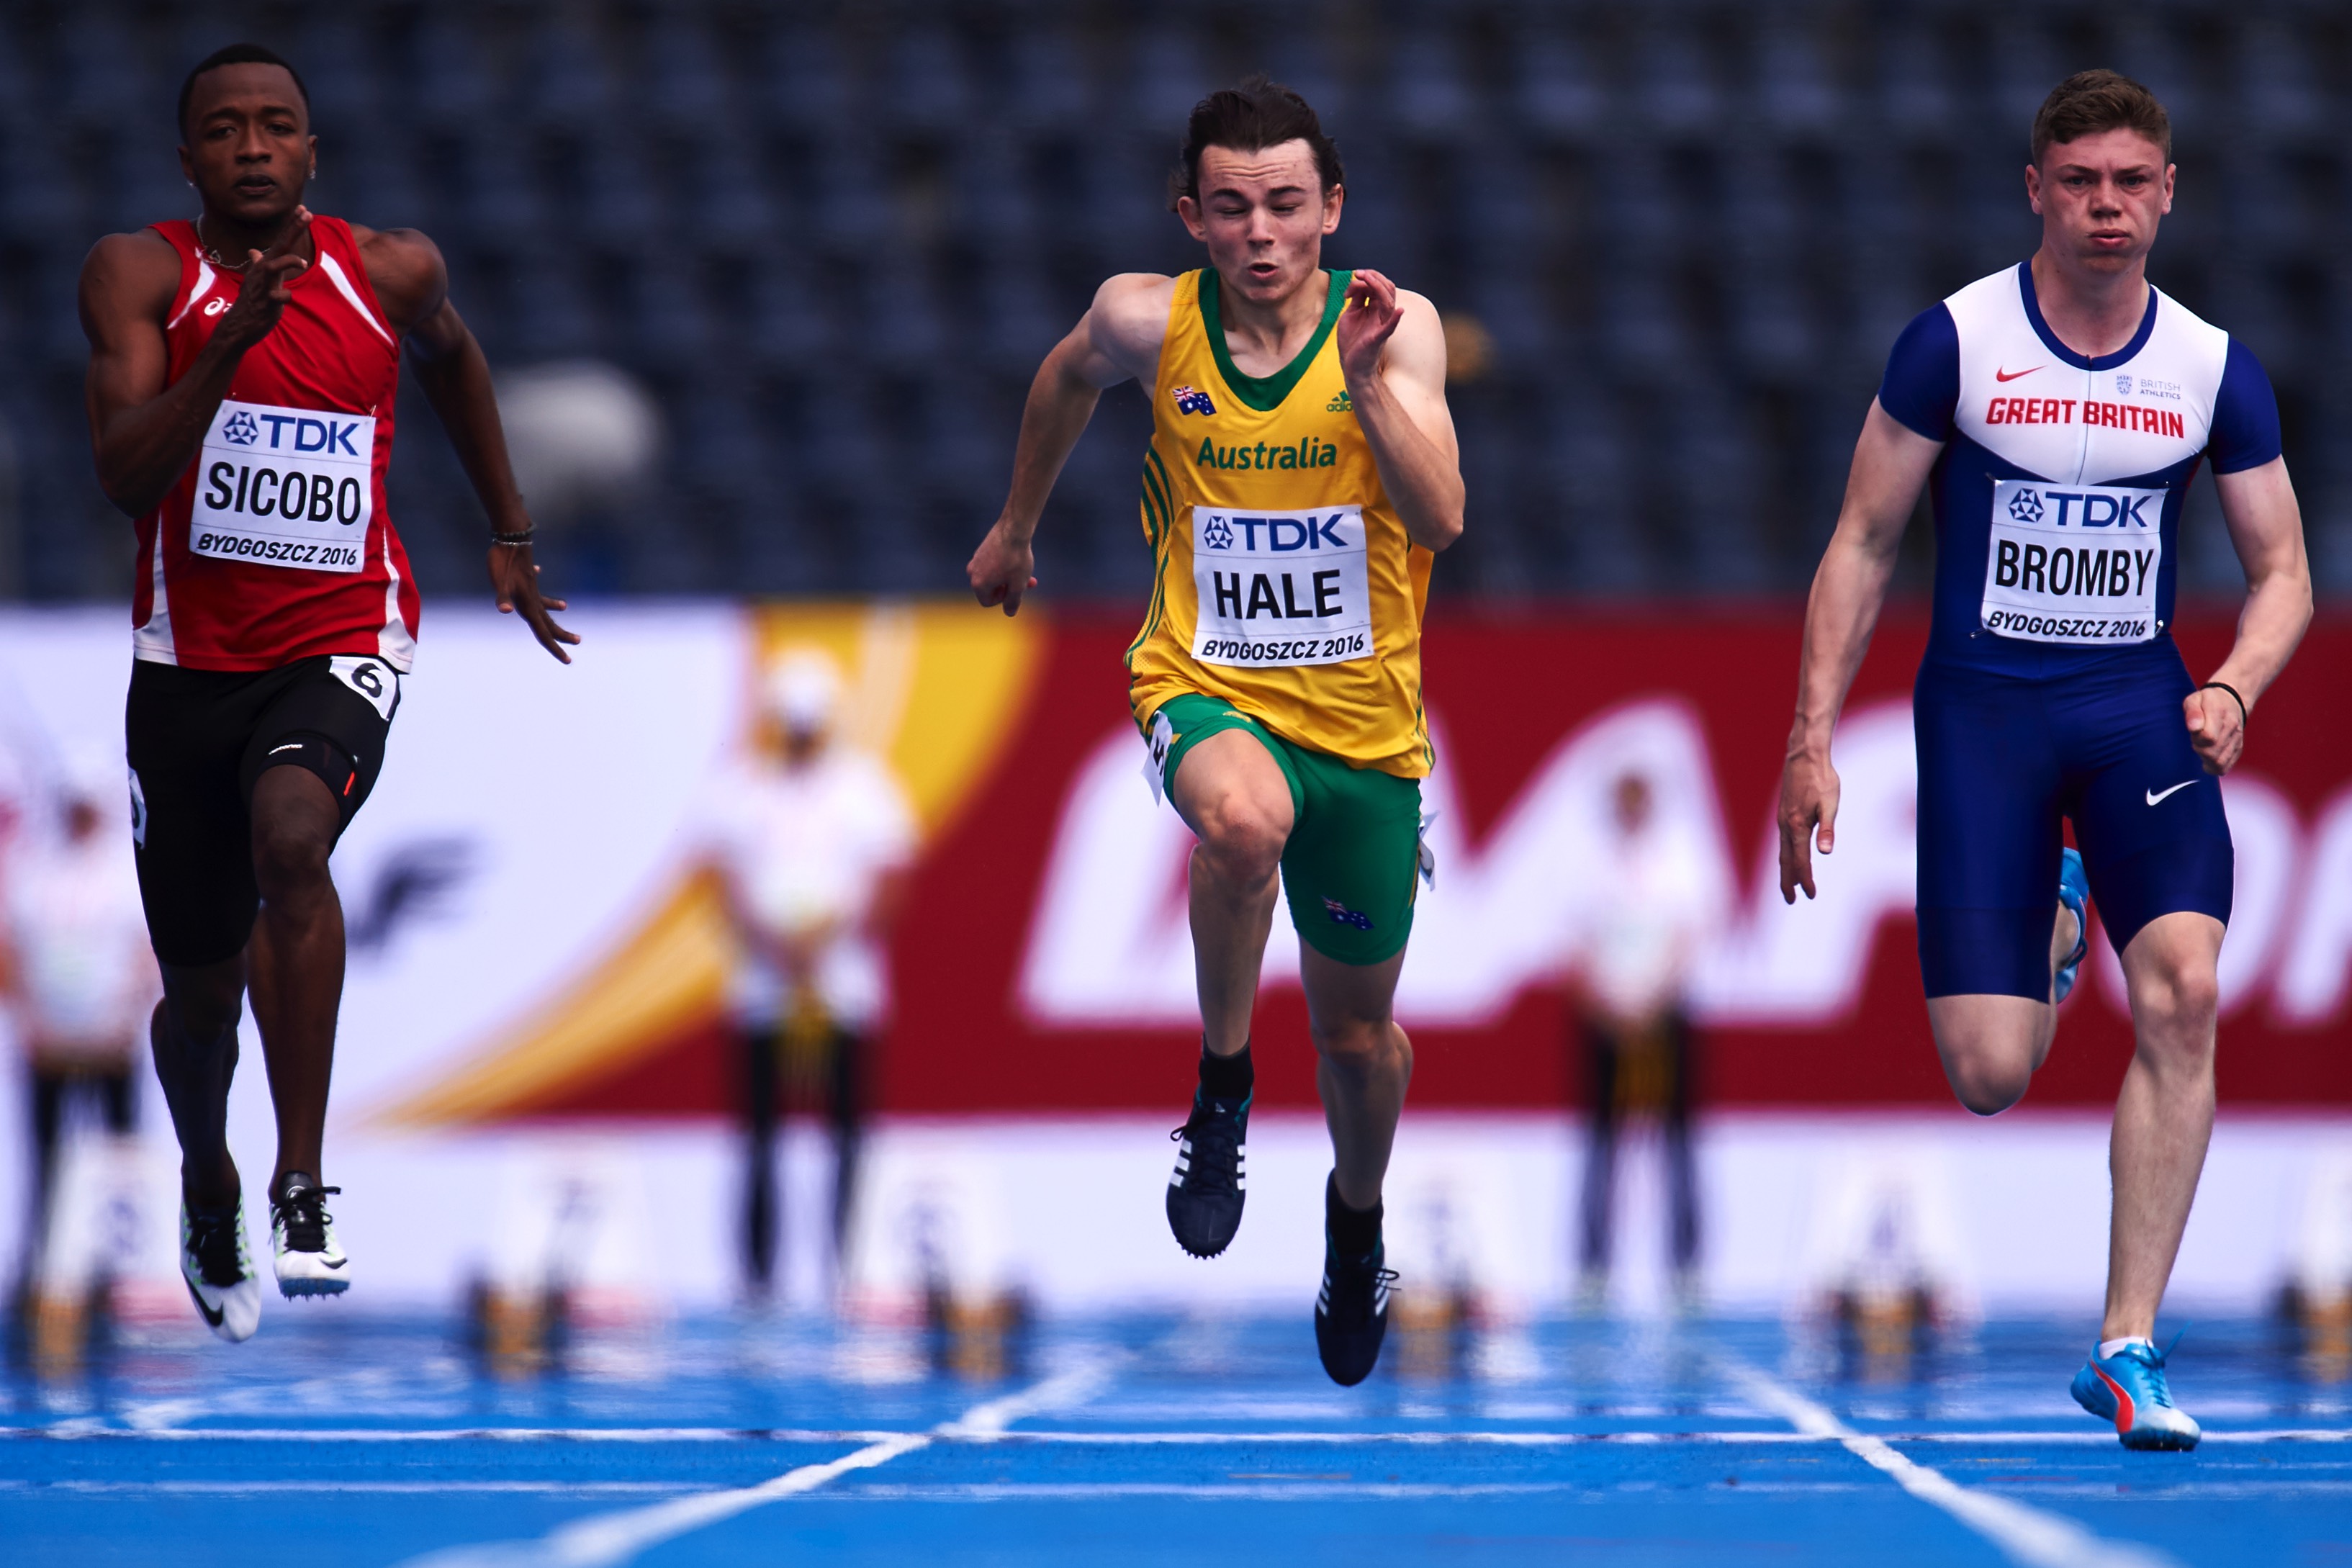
{"x": 1286, "y": 585}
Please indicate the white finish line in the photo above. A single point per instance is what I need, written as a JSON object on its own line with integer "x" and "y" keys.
{"x": 604, "y": 1541}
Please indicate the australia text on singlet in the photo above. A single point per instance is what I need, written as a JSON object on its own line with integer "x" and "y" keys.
{"x": 1285, "y": 584}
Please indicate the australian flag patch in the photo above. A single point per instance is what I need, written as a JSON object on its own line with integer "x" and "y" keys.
{"x": 1342, "y": 915}
{"x": 1191, "y": 401}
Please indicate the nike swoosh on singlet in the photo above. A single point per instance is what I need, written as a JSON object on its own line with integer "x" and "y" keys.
{"x": 2153, "y": 798}
{"x": 2013, "y": 374}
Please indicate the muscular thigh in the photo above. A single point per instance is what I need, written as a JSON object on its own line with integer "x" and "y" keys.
{"x": 1988, "y": 833}
{"x": 2148, "y": 818}
{"x": 1351, "y": 868}
{"x": 1218, "y": 764}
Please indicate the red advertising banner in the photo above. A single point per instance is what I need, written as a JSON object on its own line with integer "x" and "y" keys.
{"x": 1506, "y": 692}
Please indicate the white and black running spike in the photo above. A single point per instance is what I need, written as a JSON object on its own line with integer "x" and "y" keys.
{"x": 1206, "y": 1191}
{"x": 311, "y": 1262}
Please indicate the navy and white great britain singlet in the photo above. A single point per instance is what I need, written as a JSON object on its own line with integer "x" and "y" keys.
{"x": 2058, "y": 494}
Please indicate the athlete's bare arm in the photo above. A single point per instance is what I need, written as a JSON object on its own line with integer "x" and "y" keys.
{"x": 1393, "y": 352}
{"x": 1118, "y": 339}
{"x": 412, "y": 282}
{"x": 2266, "y": 525}
{"x": 145, "y": 433}
{"x": 1891, "y": 463}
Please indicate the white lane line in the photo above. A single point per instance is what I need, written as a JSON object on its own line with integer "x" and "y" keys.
{"x": 2027, "y": 1535}
{"x": 428, "y": 1489}
{"x": 604, "y": 1541}
{"x": 80, "y": 1434}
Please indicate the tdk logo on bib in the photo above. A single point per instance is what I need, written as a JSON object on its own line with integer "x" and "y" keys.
{"x": 2076, "y": 564}
{"x": 1280, "y": 588}
{"x": 284, "y": 487}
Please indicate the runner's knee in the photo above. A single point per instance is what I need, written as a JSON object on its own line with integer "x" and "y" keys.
{"x": 202, "y": 1006}
{"x": 1356, "y": 1045}
{"x": 2185, "y": 995}
{"x": 1987, "y": 1085}
{"x": 290, "y": 857}
{"x": 1242, "y": 841}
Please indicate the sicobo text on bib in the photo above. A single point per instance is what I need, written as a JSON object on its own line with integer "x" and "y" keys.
{"x": 2073, "y": 563}
{"x": 284, "y": 487}
{"x": 1279, "y": 588}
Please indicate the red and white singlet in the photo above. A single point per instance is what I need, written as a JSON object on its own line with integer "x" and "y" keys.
{"x": 275, "y": 544}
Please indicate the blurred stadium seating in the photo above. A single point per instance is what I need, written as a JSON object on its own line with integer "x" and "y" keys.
{"x": 834, "y": 240}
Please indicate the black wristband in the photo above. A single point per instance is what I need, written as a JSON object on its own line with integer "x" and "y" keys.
{"x": 520, "y": 539}
{"x": 2225, "y": 686}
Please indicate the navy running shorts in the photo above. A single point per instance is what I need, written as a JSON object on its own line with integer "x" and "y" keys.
{"x": 2002, "y": 758}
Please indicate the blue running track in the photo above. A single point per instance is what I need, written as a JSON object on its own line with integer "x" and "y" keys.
{"x": 337, "y": 1438}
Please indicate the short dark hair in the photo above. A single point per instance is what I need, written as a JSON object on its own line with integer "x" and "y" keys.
{"x": 2091, "y": 102}
{"x": 238, "y": 55}
{"x": 1258, "y": 113}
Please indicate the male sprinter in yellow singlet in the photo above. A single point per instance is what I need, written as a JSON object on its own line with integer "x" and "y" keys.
{"x": 1301, "y": 474}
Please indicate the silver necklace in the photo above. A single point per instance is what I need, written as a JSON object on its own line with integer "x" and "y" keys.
{"x": 213, "y": 256}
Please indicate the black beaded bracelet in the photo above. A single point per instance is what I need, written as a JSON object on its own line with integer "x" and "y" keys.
{"x": 521, "y": 540}
{"x": 2225, "y": 686}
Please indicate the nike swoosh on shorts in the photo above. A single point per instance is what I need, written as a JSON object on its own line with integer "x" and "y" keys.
{"x": 2155, "y": 798}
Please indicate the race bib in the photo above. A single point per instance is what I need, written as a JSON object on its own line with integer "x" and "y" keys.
{"x": 2073, "y": 563}
{"x": 284, "y": 487}
{"x": 1155, "y": 756}
{"x": 376, "y": 682}
{"x": 1280, "y": 588}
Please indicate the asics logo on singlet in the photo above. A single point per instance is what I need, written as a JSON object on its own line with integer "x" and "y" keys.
{"x": 2025, "y": 506}
{"x": 216, "y": 305}
{"x": 242, "y": 429}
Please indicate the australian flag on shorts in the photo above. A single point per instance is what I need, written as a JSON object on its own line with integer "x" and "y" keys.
{"x": 1342, "y": 915}
{"x": 1191, "y": 401}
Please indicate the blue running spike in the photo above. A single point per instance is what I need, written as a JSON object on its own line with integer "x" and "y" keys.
{"x": 2129, "y": 1389}
{"x": 2074, "y": 892}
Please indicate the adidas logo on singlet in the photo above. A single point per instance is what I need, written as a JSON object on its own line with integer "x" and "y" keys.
{"x": 1342, "y": 404}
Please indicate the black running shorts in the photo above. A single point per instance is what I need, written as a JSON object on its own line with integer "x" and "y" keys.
{"x": 198, "y": 739}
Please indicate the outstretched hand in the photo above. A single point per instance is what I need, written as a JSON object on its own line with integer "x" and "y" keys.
{"x": 1366, "y": 324}
{"x": 266, "y": 289}
{"x": 1809, "y": 801}
{"x": 514, "y": 578}
{"x": 1002, "y": 569}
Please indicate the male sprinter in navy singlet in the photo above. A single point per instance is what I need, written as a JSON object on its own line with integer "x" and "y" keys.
{"x": 2060, "y": 409}
{"x": 242, "y": 372}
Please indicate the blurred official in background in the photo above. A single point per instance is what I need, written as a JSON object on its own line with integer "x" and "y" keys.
{"x": 78, "y": 974}
{"x": 811, "y": 838}
{"x": 1644, "y": 917}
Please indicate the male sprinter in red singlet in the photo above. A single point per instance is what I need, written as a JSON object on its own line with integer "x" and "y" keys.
{"x": 1302, "y": 473}
{"x": 2060, "y": 409}
{"x": 241, "y": 380}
